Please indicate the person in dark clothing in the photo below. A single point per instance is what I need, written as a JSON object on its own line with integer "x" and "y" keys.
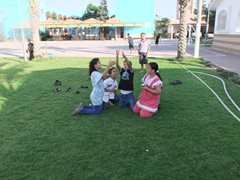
{"x": 30, "y": 50}
{"x": 158, "y": 37}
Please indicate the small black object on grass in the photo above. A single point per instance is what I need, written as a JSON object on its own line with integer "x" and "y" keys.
{"x": 176, "y": 82}
{"x": 57, "y": 90}
{"x": 84, "y": 87}
{"x": 58, "y": 83}
{"x": 68, "y": 89}
{"x": 77, "y": 92}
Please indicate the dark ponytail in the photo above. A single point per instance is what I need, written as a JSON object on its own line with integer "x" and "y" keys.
{"x": 92, "y": 64}
{"x": 154, "y": 66}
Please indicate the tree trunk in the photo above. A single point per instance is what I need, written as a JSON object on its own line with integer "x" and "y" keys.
{"x": 182, "y": 41}
{"x": 35, "y": 24}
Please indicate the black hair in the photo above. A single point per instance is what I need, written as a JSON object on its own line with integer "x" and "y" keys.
{"x": 154, "y": 66}
{"x": 128, "y": 34}
{"x": 92, "y": 64}
{"x": 128, "y": 61}
{"x": 143, "y": 33}
{"x": 110, "y": 70}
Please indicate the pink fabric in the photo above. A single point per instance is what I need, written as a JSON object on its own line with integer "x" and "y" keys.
{"x": 143, "y": 113}
{"x": 149, "y": 99}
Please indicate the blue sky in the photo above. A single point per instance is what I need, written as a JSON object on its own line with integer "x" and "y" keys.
{"x": 162, "y": 7}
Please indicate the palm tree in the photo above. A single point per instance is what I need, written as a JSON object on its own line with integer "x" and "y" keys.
{"x": 182, "y": 41}
{"x": 35, "y": 24}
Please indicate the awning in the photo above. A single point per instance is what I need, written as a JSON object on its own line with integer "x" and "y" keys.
{"x": 113, "y": 22}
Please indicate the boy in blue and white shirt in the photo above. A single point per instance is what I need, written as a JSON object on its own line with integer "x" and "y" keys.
{"x": 110, "y": 86}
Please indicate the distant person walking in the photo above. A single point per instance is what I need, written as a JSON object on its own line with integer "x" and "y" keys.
{"x": 30, "y": 50}
{"x": 130, "y": 42}
{"x": 143, "y": 49}
{"x": 158, "y": 37}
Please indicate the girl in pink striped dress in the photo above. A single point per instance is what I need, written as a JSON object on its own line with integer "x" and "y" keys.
{"x": 149, "y": 99}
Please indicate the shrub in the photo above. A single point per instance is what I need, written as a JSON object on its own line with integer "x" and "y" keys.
{"x": 45, "y": 35}
{"x": 2, "y": 37}
{"x": 235, "y": 79}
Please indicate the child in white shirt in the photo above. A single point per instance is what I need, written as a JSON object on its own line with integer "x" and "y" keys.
{"x": 111, "y": 86}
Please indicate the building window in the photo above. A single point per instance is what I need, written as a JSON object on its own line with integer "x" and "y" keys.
{"x": 238, "y": 23}
{"x": 222, "y": 20}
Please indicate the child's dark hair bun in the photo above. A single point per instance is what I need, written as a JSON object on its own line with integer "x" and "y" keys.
{"x": 92, "y": 64}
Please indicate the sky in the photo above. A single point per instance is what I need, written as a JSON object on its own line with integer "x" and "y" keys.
{"x": 162, "y": 7}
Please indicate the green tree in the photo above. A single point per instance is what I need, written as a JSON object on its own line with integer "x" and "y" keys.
{"x": 161, "y": 26}
{"x": 54, "y": 15}
{"x": 204, "y": 11}
{"x": 2, "y": 37}
{"x": 60, "y": 17}
{"x": 48, "y": 15}
{"x": 103, "y": 11}
{"x": 90, "y": 12}
{"x": 212, "y": 17}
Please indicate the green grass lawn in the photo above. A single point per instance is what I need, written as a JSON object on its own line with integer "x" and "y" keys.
{"x": 192, "y": 137}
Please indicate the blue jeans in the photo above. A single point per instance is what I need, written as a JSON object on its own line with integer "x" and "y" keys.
{"x": 92, "y": 110}
{"x": 114, "y": 101}
{"x": 127, "y": 99}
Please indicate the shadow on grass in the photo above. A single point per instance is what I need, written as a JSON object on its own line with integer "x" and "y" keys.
{"x": 40, "y": 138}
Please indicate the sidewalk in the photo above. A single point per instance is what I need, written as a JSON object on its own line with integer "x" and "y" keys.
{"x": 167, "y": 48}
{"x": 228, "y": 61}
{"x": 225, "y": 60}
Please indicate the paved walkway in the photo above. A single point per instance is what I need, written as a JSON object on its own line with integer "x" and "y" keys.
{"x": 225, "y": 60}
{"x": 167, "y": 48}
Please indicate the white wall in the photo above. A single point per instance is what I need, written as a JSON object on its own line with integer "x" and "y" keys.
{"x": 232, "y": 7}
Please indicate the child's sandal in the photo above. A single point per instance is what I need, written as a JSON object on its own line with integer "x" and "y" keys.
{"x": 77, "y": 110}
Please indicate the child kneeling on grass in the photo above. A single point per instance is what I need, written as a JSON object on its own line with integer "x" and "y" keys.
{"x": 98, "y": 88}
{"x": 111, "y": 86}
{"x": 149, "y": 99}
{"x": 126, "y": 82}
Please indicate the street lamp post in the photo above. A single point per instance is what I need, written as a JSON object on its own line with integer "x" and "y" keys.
{"x": 22, "y": 32}
{"x": 198, "y": 29}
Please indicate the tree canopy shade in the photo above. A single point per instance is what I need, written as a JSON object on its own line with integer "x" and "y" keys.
{"x": 161, "y": 26}
{"x": 96, "y": 12}
{"x": 103, "y": 11}
{"x": 91, "y": 11}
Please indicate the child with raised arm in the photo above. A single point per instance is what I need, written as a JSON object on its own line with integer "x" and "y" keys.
{"x": 98, "y": 88}
{"x": 149, "y": 99}
{"x": 126, "y": 82}
{"x": 111, "y": 86}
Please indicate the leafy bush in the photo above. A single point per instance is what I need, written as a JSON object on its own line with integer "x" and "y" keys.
{"x": 2, "y": 37}
{"x": 207, "y": 63}
{"x": 45, "y": 35}
{"x": 226, "y": 74}
{"x": 231, "y": 76}
{"x": 235, "y": 79}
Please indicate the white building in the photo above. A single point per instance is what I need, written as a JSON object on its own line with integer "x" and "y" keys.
{"x": 227, "y": 25}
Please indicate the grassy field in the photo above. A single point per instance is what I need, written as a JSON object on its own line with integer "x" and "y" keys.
{"x": 192, "y": 137}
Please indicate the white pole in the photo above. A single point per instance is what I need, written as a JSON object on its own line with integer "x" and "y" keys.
{"x": 198, "y": 29}
{"x": 22, "y": 32}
